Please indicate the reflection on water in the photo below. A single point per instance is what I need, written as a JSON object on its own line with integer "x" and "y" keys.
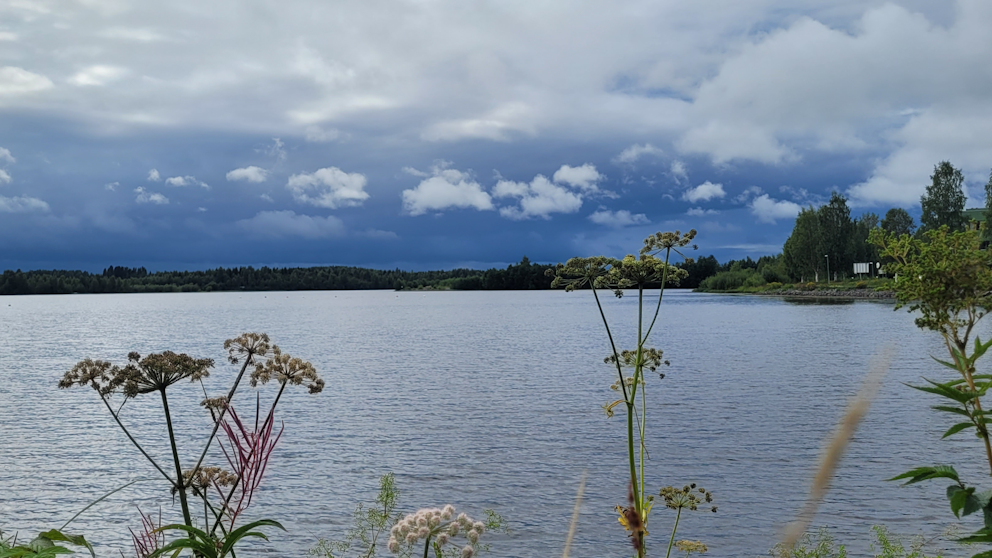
{"x": 486, "y": 400}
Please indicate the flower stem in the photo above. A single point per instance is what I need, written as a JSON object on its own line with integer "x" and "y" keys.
{"x": 675, "y": 528}
{"x": 175, "y": 457}
{"x": 136, "y": 444}
{"x": 427, "y": 545}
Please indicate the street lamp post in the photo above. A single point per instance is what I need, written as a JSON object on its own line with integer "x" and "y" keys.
{"x": 828, "y": 267}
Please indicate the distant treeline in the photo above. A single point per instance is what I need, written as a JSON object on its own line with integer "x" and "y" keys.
{"x": 522, "y": 276}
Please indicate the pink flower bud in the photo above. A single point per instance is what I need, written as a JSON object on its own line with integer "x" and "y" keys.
{"x": 467, "y": 552}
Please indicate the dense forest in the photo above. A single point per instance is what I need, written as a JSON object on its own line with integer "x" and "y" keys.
{"x": 521, "y": 276}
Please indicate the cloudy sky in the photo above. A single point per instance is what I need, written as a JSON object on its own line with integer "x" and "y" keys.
{"x": 441, "y": 133}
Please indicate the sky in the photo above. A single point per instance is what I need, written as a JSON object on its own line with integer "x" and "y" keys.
{"x": 427, "y": 134}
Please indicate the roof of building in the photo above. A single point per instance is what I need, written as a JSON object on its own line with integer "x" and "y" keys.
{"x": 975, "y": 214}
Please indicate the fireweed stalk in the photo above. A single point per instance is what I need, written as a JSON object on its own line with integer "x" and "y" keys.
{"x": 248, "y": 450}
{"x": 647, "y": 271}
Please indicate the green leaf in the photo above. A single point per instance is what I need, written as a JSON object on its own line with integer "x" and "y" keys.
{"x": 926, "y": 473}
{"x": 946, "y": 391}
{"x": 958, "y": 497}
{"x": 945, "y": 363}
{"x": 979, "y": 501}
{"x": 246, "y": 531}
{"x": 948, "y": 409}
{"x": 78, "y": 540}
{"x": 957, "y": 428}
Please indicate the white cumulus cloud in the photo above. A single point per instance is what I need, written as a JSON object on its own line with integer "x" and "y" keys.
{"x": 154, "y": 176}
{"x": 111, "y": 186}
{"x": 704, "y": 192}
{"x": 538, "y": 198}
{"x": 678, "y": 171}
{"x": 618, "y": 219}
{"x": 248, "y": 174}
{"x": 22, "y": 204}
{"x": 144, "y": 196}
{"x": 698, "y": 212}
{"x": 287, "y": 223}
{"x": 329, "y": 187}
{"x": 584, "y": 178}
{"x": 635, "y": 152}
{"x": 5, "y": 177}
{"x": 768, "y": 210}
{"x": 6, "y": 156}
{"x": 18, "y": 81}
{"x": 183, "y": 181}
{"x": 443, "y": 189}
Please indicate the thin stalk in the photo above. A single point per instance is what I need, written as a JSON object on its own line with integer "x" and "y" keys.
{"x": 97, "y": 501}
{"x": 638, "y": 371}
{"x": 136, "y": 444}
{"x": 670, "y": 541}
{"x": 661, "y": 293}
{"x": 613, "y": 345}
{"x": 427, "y": 545}
{"x": 175, "y": 457}
{"x": 230, "y": 396}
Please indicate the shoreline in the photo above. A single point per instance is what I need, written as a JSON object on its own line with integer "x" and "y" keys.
{"x": 866, "y": 294}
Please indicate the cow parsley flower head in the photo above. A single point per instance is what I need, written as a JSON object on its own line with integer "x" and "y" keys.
{"x": 438, "y": 525}
{"x": 286, "y": 369}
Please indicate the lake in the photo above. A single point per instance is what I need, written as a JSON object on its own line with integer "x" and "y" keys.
{"x": 486, "y": 400}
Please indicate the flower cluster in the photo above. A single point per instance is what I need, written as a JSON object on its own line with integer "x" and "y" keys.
{"x": 286, "y": 369}
{"x": 246, "y": 345}
{"x": 155, "y": 372}
{"x": 440, "y": 524}
{"x": 688, "y": 497}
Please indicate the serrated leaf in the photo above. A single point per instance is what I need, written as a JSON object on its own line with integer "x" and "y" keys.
{"x": 948, "y": 409}
{"x": 957, "y": 428}
{"x": 926, "y": 473}
{"x": 945, "y": 363}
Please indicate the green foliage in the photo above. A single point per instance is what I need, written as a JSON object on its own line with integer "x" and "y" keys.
{"x": 732, "y": 280}
{"x": 828, "y": 237}
{"x": 947, "y": 279}
{"x": 885, "y": 545}
{"x": 944, "y": 199}
{"x": 210, "y": 546}
{"x": 898, "y": 222}
{"x": 987, "y": 226}
{"x": 43, "y": 546}
{"x": 822, "y": 546}
{"x": 369, "y": 523}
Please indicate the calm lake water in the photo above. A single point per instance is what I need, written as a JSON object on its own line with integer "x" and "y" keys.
{"x": 486, "y": 400}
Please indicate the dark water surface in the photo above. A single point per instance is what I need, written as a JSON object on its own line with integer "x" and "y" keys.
{"x": 485, "y": 400}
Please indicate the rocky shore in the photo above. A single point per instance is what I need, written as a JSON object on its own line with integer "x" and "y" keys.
{"x": 831, "y": 293}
